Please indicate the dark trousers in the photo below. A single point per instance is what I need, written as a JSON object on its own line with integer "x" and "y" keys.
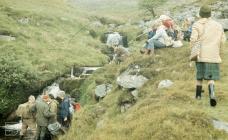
{"x": 41, "y": 132}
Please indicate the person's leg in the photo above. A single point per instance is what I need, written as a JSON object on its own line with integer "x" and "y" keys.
{"x": 38, "y": 129}
{"x": 211, "y": 89}
{"x": 32, "y": 126}
{"x": 23, "y": 129}
{"x": 150, "y": 46}
{"x": 199, "y": 84}
{"x": 157, "y": 44}
{"x": 43, "y": 132}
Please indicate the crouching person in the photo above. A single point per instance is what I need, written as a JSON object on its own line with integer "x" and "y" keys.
{"x": 28, "y": 118}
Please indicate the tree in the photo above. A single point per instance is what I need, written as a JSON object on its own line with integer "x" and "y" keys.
{"x": 149, "y": 5}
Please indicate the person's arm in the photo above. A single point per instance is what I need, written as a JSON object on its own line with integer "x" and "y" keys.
{"x": 157, "y": 35}
{"x": 195, "y": 35}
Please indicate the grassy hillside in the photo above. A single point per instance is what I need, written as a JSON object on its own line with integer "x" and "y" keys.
{"x": 159, "y": 114}
{"x": 50, "y": 37}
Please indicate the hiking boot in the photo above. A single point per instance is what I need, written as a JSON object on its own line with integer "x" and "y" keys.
{"x": 142, "y": 51}
{"x": 211, "y": 90}
{"x": 198, "y": 92}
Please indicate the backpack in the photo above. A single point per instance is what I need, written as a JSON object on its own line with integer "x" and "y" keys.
{"x": 54, "y": 128}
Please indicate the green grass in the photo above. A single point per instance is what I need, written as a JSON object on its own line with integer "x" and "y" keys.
{"x": 54, "y": 39}
{"x": 159, "y": 114}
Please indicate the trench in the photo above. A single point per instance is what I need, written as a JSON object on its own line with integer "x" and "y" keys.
{"x": 9, "y": 130}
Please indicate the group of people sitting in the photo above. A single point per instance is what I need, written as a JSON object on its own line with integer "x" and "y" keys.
{"x": 45, "y": 116}
{"x": 163, "y": 33}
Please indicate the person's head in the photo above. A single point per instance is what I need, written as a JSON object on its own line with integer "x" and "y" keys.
{"x": 31, "y": 99}
{"x": 205, "y": 11}
{"x": 45, "y": 98}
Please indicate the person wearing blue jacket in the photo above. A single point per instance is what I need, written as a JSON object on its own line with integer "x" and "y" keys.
{"x": 64, "y": 111}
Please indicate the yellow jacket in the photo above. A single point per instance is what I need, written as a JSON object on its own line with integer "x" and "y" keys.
{"x": 211, "y": 35}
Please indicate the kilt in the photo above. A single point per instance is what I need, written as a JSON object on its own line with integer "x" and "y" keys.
{"x": 207, "y": 71}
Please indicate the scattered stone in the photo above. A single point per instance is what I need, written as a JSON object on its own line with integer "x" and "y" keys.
{"x": 225, "y": 13}
{"x": 53, "y": 89}
{"x": 97, "y": 24}
{"x": 135, "y": 93}
{"x": 7, "y": 38}
{"x": 24, "y": 21}
{"x": 165, "y": 84}
{"x": 131, "y": 81}
{"x": 102, "y": 90}
{"x": 220, "y": 125}
{"x": 125, "y": 107}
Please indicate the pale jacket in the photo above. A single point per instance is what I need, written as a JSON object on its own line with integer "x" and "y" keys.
{"x": 212, "y": 37}
{"x": 160, "y": 35}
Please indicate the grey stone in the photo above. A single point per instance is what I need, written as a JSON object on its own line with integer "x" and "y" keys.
{"x": 135, "y": 93}
{"x": 131, "y": 81}
{"x": 220, "y": 125}
{"x": 97, "y": 24}
{"x": 103, "y": 90}
{"x": 24, "y": 21}
{"x": 7, "y": 38}
{"x": 125, "y": 107}
{"x": 165, "y": 84}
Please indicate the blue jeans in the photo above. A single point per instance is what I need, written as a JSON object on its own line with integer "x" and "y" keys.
{"x": 154, "y": 44}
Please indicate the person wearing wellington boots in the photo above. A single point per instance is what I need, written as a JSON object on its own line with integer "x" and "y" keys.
{"x": 211, "y": 36}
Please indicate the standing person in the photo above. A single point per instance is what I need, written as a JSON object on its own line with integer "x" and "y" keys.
{"x": 27, "y": 117}
{"x": 64, "y": 111}
{"x": 42, "y": 116}
{"x": 211, "y": 36}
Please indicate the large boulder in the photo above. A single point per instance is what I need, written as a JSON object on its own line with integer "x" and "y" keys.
{"x": 102, "y": 90}
{"x": 131, "y": 81}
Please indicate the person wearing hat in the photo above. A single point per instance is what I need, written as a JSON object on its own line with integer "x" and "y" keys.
{"x": 43, "y": 114}
{"x": 210, "y": 35}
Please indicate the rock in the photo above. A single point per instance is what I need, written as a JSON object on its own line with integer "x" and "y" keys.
{"x": 125, "y": 107}
{"x": 102, "y": 90}
{"x": 131, "y": 81}
{"x": 24, "y": 21}
{"x": 53, "y": 89}
{"x": 114, "y": 39}
{"x": 97, "y": 24}
{"x": 7, "y": 38}
{"x": 220, "y": 125}
{"x": 224, "y": 23}
{"x": 165, "y": 84}
{"x": 135, "y": 93}
{"x": 225, "y": 13}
